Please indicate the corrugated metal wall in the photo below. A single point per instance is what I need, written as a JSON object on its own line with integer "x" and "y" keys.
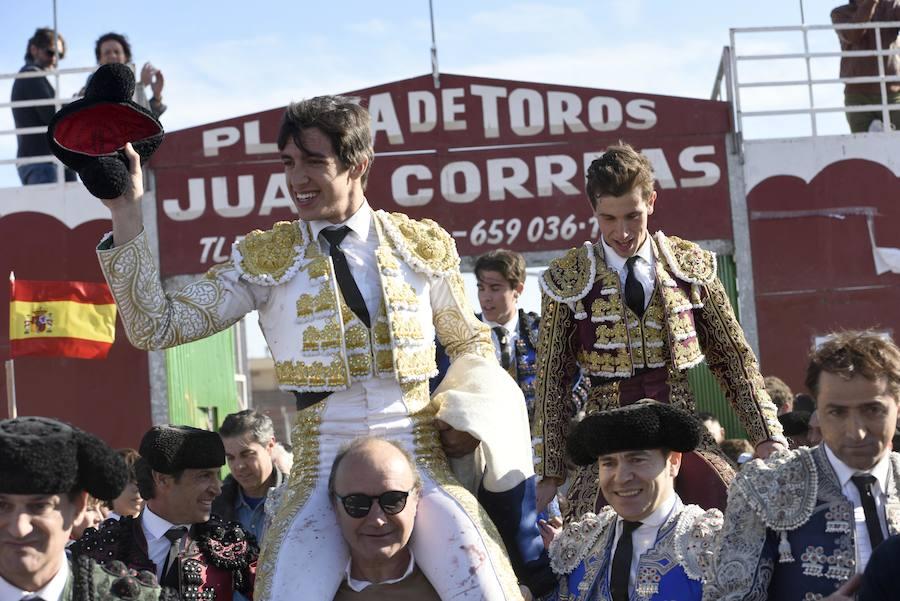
{"x": 706, "y": 388}
{"x": 202, "y": 388}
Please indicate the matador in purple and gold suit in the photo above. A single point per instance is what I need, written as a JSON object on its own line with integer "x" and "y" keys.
{"x": 586, "y": 323}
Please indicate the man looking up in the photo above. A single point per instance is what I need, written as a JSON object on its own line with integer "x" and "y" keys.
{"x": 806, "y": 521}
{"x": 635, "y": 312}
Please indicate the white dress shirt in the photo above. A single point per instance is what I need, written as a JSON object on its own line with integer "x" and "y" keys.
{"x": 844, "y": 473}
{"x": 644, "y": 537}
{"x": 512, "y": 328}
{"x": 359, "y": 247}
{"x": 359, "y": 585}
{"x": 644, "y": 267}
{"x": 52, "y": 591}
{"x": 158, "y": 545}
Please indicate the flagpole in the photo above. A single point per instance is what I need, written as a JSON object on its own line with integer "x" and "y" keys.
{"x": 10, "y": 389}
{"x": 10, "y": 367}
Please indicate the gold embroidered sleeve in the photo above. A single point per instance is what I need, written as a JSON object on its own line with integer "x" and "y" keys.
{"x": 734, "y": 365}
{"x": 154, "y": 319}
{"x": 743, "y": 563}
{"x": 556, "y": 365}
{"x": 455, "y": 323}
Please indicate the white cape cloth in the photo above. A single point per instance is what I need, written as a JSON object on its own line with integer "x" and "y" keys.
{"x": 478, "y": 397}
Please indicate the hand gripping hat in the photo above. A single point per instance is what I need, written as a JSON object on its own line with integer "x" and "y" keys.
{"x": 646, "y": 424}
{"x": 39, "y": 455}
{"x": 89, "y": 134}
{"x": 170, "y": 449}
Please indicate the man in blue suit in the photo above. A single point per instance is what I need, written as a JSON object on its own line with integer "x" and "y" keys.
{"x": 645, "y": 544}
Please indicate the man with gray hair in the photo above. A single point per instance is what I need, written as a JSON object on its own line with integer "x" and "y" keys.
{"x": 249, "y": 440}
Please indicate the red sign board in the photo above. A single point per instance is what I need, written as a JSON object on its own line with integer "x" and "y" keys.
{"x": 496, "y": 162}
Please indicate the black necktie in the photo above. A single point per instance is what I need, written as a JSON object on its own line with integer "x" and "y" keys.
{"x": 345, "y": 279}
{"x": 621, "y": 565}
{"x": 502, "y": 335}
{"x": 170, "y": 568}
{"x": 864, "y": 484}
{"x": 634, "y": 291}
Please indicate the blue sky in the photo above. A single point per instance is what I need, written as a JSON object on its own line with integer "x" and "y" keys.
{"x": 228, "y": 58}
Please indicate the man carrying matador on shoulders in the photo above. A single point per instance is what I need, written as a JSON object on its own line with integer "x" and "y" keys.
{"x": 350, "y": 299}
{"x": 635, "y": 312}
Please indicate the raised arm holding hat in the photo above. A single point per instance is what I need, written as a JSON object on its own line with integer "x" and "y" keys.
{"x": 645, "y": 544}
{"x": 175, "y": 536}
{"x": 350, "y": 299}
{"x": 47, "y": 469}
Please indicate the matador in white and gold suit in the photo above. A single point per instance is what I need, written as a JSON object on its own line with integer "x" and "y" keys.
{"x": 374, "y": 381}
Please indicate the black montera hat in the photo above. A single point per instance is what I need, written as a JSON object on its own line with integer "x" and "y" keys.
{"x": 646, "y": 424}
{"x": 170, "y": 449}
{"x": 795, "y": 422}
{"x": 89, "y": 134}
{"x": 39, "y": 455}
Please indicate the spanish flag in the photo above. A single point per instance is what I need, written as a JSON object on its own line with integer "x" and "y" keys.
{"x": 61, "y": 319}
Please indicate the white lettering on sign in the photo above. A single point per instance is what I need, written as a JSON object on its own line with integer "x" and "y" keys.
{"x": 384, "y": 117}
{"x": 489, "y": 96}
{"x": 460, "y": 182}
{"x": 422, "y": 112}
{"x": 452, "y": 108}
{"x": 522, "y": 101}
{"x": 220, "y": 137}
{"x": 400, "y": 186}
{"x": 563, "y": 109}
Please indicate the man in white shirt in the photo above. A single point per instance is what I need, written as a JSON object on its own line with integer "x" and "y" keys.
{"x": 175, "y": 537}
{"x": 646, "y": 544}
{"x": 805, "y": 522}
{"x": 47, "y": 469}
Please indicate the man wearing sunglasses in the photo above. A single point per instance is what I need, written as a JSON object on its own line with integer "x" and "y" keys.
{"x": 374, "y": 489}
{"x": 44, "y": 50}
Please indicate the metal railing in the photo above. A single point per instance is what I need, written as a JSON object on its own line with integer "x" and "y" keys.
{"x": 57, "y": 101}
{"x": 729, "y": 73}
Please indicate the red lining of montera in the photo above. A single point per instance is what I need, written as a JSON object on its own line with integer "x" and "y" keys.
{"x": 103, "y": 128}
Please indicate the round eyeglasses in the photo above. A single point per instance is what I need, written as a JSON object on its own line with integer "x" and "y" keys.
{"x": 358, "y": 505}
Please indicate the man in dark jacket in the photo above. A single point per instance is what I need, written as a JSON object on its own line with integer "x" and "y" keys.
{"x": 175, "y": 536}
{"x": 249, "y": 440}
{"x": 44, "y": 50}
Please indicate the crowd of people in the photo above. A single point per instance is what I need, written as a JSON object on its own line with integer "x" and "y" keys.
{"x": 43, "y": 52}
{"x": 444, "y": 454}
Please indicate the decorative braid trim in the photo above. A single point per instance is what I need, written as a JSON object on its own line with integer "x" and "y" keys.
{"x": 402, "y": 246}
{"x": 592, "y": 274}
{"x": 574, "y": 543}
{"x": 782, "y": 489}
{"x": 666, "y": 250}
{"x": 695, "y": 537}
{"x": 265, "y": 279}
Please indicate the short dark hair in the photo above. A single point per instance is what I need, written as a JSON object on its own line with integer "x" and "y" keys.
{"x": 863, "y": 352}
{"x": 43, "y": 38}
{"x": 115, "y": 37}
{"x": 144, "y": 478}
{"x": 508, "y": 263}
{"x": 341, "y": 118}
{"x": 258, "y": 425}
{"x": 617, "y": 172}
{"x": 358, "y": 444}
{"x": 779, "y": 391}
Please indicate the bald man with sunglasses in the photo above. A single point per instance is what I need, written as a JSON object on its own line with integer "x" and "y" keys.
{"x": 374, "y": 488}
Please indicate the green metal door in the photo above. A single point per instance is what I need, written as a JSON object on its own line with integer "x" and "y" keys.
{"x": 708, "y": 394}
{"x": 201, "y": 381}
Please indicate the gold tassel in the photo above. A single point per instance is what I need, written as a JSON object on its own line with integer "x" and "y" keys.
{"x": 580, "y": 313}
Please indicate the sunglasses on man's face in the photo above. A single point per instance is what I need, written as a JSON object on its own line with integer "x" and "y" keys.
{"x": 357, "y": 505}
{"x": 52, "y": 52}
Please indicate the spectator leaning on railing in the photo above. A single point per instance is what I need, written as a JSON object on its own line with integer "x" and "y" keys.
{"x": 40, "y": 55}
{"x": 855, "y": 94}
